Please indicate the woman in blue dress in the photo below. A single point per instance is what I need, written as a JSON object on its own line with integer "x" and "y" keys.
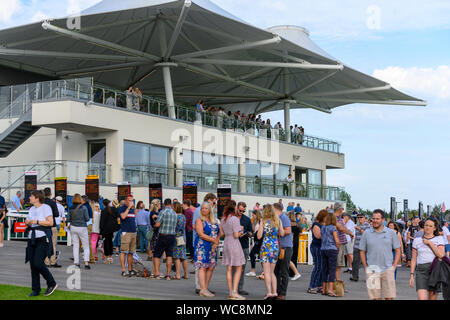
{"x": 206, "y": 242}
{"x": 270, "y": 249}
{"x": 179, "y": 251}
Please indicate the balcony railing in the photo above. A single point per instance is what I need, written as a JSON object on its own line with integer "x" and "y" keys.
{"x": 208, "y": 181}
{"x": 16, "y": 100}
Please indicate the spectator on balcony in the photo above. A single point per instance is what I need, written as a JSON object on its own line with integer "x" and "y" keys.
{"x": 129, "y": 93}
{"x": 296, "y": 135}
{"x": 228, "y": 120}
{"x": 269, "y": 129}
{"x": 111, "y": 101}
{"x": 287, "y": 187}
{"x": 199, "y": 110}
{"x": 276, "y": 130}
{"x": 137, "y": 99}
{"x": 220, "y": 117}
{"x": 302, "y": 133}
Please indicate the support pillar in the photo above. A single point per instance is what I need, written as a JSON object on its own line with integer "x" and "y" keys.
{"x": 169, "y": 91}
{"x": 287, "y": 120}
{"x": 292, "y": 186}
{"x": 114, "y": 157}
{"x": 58, "y": 153}
{"x": 242, "y": 175}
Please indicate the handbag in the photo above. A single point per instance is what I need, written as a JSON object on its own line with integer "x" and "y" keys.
{"x": 149, "y": 234}
{"x": 339, "y": 288}
{"x": 180, "y": 241}
{"x": 281, "y": 254}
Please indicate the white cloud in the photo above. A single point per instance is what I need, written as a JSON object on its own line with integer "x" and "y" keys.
{"x": 39, "y": 16}
{"x": 9, "y": 8}
{"x": 428, "y": 81}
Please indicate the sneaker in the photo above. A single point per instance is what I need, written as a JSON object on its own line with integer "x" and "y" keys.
{"x": 87, "y": 267}
{"x": 56, "y": 265}
{"x": 132, "y": 273}
{"x": 57, "y": 255}
{"x": 353, "y": 279}
{"x": 296, "y": 277}
{"x": 124, "y": 274}
{"x": 250, "y": 274}
{"x": 34, "y": 294}
{"x": 50, "y": 290}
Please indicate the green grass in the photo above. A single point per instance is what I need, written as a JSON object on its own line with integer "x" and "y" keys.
{"x": 9, "y": 292}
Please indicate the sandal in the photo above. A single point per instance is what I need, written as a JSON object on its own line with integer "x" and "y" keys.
{"x": 206, "y": 294}
{"x": 174, "y": 278}
{"x": 311, "y": 291}
{"x": 236, "y": 296}
{"x": 185, "y": 276}
{"x": 168, "y": 278}
{"x": 332, "y": 294}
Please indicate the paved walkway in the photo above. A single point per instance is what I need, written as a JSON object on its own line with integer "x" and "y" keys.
{"x": 106, "y": 279}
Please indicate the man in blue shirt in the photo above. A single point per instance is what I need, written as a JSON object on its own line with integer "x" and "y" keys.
{"x": 298, "y": 209}
{"x": 211, "y": 199}
{"x": 16, "y": 203}
{"x": 290, "y": 207}
{"x": 286, "y": 243}
{"x": 127, "y": 214}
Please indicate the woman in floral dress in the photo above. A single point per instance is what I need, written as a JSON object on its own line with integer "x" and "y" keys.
{"x": 272, "y": 228}
{"x": 206, "y": 242}
{"x": 179, "y": 252}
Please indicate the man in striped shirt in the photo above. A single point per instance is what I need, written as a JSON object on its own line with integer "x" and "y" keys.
{"x": 342, "y": 230}
{"x": 167, "y": 223}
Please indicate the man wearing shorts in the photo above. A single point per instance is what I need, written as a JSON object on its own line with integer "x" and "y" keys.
{"x": 348, "y": 250}
{"x": 167, "y": 223}
{"x": 127, "y": 214}
{"x": 342, "y": 231}
{"x": 376, "y": 246}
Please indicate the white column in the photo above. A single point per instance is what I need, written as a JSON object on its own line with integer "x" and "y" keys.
{"x": 242, "y": 175}
{"x": 58, "y": 153}
{"x": 293, "y": 186}
{"x": 287, "y": 120}
{"x": 114, "y": 156}
{"x": 169, "y": 92}
{"x": 166, "y": 72}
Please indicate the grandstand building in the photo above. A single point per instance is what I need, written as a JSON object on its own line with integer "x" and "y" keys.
{"x": 64, "y": 110}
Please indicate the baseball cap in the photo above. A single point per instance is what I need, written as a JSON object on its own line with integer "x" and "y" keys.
{"x": 338, "y": 206}
{"x": 59, "y": 198}
{"x": 360, "y": 215}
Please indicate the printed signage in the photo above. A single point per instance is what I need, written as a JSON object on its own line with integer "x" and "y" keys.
{"x": 223, "y": 195}
{"x": 123, "y": 190}
{"x": 405, "y": 209}
{"x": 392, "y": 208}
{"x": 420, "y": 209}
{"x": 155, "y": 192}
{"x": 92, "y": 188}
{"x": 30, "y": 186}
{"x": 19, "y": 227}
{"x": 61, "y": 189}
{"x": 190, "y": 191}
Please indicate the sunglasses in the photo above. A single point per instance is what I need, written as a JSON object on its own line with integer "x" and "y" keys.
{"x": 242, "y": 211}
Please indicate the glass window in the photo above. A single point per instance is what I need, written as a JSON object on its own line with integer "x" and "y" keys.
{"x": 159, "y": 156}
{"x": 192, "y": 160}
{"x": 266, "y": 170}
{"x": 282, "y": 171}
{"x": 230, "y": 166}
{"x": 314, "y": 177}
{"x": 252, "y": 168}
{"x": 210, "y": 163}
{"x": 136, "y": 154}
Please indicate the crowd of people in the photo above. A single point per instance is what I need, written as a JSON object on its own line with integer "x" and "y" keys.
{"x": 251, "y": 123}
{"x": 178, "y": 233}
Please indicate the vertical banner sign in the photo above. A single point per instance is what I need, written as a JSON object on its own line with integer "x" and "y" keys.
{"x": 92, "y": 188}
{"x": 405, "y": 209}
{"x": 392, "y": 207}
{"x": 123, "y": 190}
{"x": 155, "y": 192}
{"x": 420, "y": 209}
{"x": 223, "y": 195}
{"x": 190, "y": 191}
{"x": 30, "y": 185}
{"x": 61, "y": 189}
{"x": 428, "y": 210}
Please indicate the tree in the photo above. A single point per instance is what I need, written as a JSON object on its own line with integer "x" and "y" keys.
{"x": 348, "y": 200}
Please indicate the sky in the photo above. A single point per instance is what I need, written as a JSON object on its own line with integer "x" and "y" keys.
{"x": 399, "y": 151}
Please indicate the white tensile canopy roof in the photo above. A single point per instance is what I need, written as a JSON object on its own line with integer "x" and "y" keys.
{"x": 190, "y": 49}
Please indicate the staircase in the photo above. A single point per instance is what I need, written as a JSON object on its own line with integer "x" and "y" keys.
{"x": 17, "y": 134}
